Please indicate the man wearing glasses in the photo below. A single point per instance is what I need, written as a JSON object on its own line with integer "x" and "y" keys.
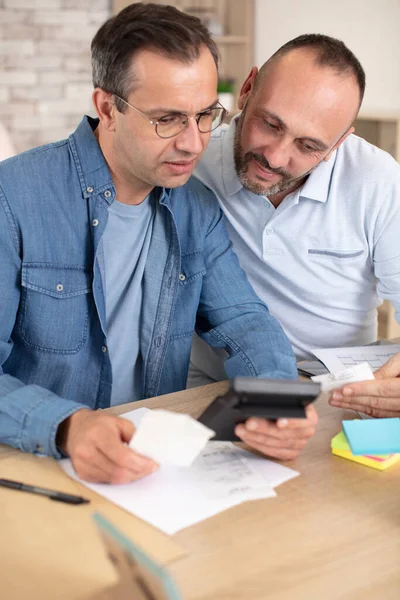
{"x": 110, "y": 257}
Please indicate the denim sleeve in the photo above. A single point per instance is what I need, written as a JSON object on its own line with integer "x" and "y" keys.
{"x": 232, "y": 316}
{"x": 29, "y": 414}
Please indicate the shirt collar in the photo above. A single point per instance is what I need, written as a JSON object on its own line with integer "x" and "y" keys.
{"x": 94, "y": 174}
{"x": 316, "y": 186}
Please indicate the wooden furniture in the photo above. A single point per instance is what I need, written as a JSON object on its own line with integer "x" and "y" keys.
{"x": 333, "y": 532}
{"x": 235, "y": 17}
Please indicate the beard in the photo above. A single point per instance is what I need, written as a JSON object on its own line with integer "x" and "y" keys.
{"x": 241, "y": 165}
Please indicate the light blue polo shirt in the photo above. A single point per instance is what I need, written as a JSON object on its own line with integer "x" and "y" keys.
{"x": 125, "y": 246}
{"x": 322, "y": 260}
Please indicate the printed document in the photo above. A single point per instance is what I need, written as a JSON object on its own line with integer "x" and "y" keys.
{"x": 176, "y": 497}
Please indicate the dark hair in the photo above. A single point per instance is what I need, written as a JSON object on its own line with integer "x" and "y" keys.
{"x": 329, "y": 52}
{"x": 144, "y": 26}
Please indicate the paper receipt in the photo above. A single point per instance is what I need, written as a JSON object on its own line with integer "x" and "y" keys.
{"x": 170, "y": 438}
{"x": 331, "y": 381}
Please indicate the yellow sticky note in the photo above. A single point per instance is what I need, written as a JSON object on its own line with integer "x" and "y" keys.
{"x": 340, "y": 447}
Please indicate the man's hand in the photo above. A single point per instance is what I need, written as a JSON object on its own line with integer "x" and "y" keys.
{"x": 378, "y": 398}
{"x": 96, "y": 443}
{"x": 283, "y": 439}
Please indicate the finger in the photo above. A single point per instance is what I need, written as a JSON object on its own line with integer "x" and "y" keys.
{"x": 386, "y": 388}
{"x": 96, "y": 474}
{"x": 263, "y": 440}
{"x": 390, "y": 369}
{"x": 91, "y": 473}
{"x": 127, "y": 429}
{"x": 269, "y": 430}
{"x": 278, "y": 453}
{"x": 364, "y": 407}
{"x": 129, "y": 460}
{"x": 260, "y": 426}
{"x": 311, "y": 420}
{"x": 122, "y": 456}
{"x": 92, "y": 464}
{"x": 379, "y": 402}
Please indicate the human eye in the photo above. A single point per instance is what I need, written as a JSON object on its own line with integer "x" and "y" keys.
{"x": 307, "y": 147}
{"x": 270, "y": 125}
{"x": 171, "y": 119}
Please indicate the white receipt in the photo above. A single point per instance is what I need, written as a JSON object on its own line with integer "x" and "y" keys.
{"x": 331, "y": 381}
{"x": 170, "y": 438}
{"x": 224, "y": 472}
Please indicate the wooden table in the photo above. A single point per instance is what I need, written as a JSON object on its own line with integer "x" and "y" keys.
{"x": 331, "y": 534}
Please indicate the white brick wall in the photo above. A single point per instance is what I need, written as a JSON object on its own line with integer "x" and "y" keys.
{"x": 45, "y": 76}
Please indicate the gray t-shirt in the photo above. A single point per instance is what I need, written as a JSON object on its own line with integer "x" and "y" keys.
{"x": 125, "y": 246}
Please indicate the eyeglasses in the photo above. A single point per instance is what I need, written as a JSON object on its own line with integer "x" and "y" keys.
{"x": 171, "y": 125}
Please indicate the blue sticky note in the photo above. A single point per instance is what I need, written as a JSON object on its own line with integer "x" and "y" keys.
{"x": 373, "y": 436}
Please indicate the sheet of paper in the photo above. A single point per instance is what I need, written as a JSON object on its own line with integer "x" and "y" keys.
{"x": 176, "y": 497}
{"x": 377, "y": 436}
{"x": 337, "y": 359}
{"x": 170, "y": 438}
{"x": 331, "y": 381}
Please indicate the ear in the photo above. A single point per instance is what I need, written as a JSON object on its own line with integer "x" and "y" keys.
{"x": 247, "y": 87}
{"x": 105, "y": 108}
{"x": 339, "y": 143}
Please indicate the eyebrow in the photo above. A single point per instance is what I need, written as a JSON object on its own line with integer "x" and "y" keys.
{"x": 267, "y": 113}
{"x": 171, "y": 111}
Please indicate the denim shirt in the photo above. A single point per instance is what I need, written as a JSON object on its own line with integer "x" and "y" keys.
{"x": 54, "y": 204}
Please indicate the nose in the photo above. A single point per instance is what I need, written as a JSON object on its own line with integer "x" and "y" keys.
{"x": 277, "y": 153}
{"x": 190, "y": 140}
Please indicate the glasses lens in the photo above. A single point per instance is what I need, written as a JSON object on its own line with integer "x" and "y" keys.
{"x": 171, "y": 125}
{"x": 211, "y": 119}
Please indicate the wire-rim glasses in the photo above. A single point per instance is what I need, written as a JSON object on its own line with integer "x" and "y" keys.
{"x": 173, "y": 124}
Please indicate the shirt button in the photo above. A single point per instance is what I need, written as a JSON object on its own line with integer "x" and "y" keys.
{"x": 270, "y": 231}
{"x": 59, "y": 287}
{"x": 89, "y": 189}
{"x": 182, "y": 277}
{"x": 39, "y": 449}
{"x": 107, "y": 194}
{"x": 104, "y": 349}
{"x": 95, "y": 222}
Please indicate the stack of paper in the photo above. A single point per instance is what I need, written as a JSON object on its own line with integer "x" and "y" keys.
{"x": 176, "y": 497}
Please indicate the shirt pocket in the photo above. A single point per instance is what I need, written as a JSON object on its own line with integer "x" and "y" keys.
{"x": 54, "y": 309}
{"x": 189, "y": 289}
{"x": 328, "y": 254}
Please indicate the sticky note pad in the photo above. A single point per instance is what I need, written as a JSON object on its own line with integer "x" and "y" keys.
{"x": 340, "y": 447}
{"x": 373, "y": 436}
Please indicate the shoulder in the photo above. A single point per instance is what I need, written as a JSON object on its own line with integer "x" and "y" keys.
{"x": 27, "y": 167}
{"x": 357, "y": 159}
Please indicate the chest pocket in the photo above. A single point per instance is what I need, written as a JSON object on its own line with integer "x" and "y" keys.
{"x": 192, "y": 268}
{"x": 189, "y": 289}
{"x": 54, "y": 313}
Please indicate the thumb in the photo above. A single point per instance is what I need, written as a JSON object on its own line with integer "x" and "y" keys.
{"x": 126, "y": 429}
{"x": 389, "y": 369}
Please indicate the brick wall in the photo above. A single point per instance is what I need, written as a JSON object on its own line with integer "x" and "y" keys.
{"x": 45, "y": 78}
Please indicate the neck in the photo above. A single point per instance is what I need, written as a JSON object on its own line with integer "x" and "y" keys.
{"x": 128, "y": 190}
{"x": 276, "y": 199}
